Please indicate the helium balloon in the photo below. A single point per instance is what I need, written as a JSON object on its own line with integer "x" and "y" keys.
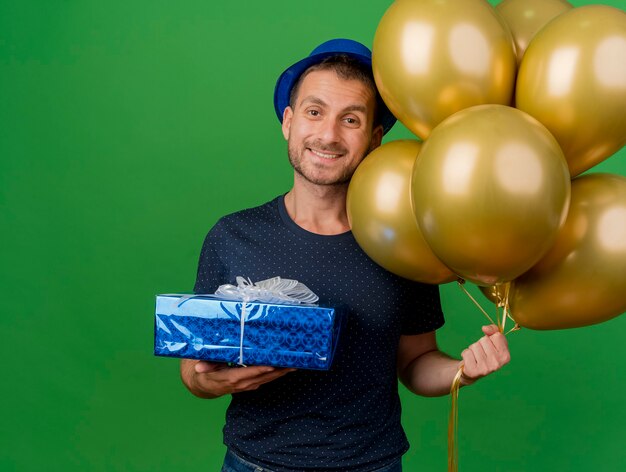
{"x": 490, "y": 191}
{"x": 526, "y": 17}
{"x": 381, "y": 217}
{"x": 432, "y": 58}
{"x": 496, "y": 294}
{"x": 582, "y": 279}
{"x": 573, "y": 80}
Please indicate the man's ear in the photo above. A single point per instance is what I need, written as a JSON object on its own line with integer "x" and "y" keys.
{"x": 287, "y": 116}
{"x": 377, "y": 137}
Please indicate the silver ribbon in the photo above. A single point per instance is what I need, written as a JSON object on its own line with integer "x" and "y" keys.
{"x": 274, "y": 290}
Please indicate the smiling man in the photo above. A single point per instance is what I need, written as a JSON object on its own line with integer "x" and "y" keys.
{"x": 348, "y": 418}
{"x": 329, "y": 126}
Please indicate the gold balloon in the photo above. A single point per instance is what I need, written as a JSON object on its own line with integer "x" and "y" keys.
{"x": 490, "y": 191}
{"x": 432, "y": 58}
{"x": 380, "y": 214}
{"x": 582, "y": 279}
{"x": 573, "y": 80}
{"x": 496, "y": 294}
{"x": 526, "y": 17}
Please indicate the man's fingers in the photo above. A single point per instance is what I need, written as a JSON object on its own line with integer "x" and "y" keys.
{"x": 486, "y": 355}
{"x": 247, "y": 378}
{"x": 251, "y": 372}
{"x": 203, "y": 367}
{"x": 490, "y": 329}
{"x": 479, "y": 353}
{"x": 469, "y": 359}
{"x": 500, "y": 342}
{"x": 236, "y": 375}
{"x": 491, "y": 353}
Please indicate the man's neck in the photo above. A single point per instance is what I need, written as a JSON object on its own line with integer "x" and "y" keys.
{"x": 319, "y": 209}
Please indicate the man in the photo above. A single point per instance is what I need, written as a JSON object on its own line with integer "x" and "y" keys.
{"x": 346, "y": 419}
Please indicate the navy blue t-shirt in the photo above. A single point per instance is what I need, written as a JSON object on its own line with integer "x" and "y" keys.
{"x": 347, "y": 418}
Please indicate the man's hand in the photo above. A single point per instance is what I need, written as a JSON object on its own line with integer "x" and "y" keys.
{"x": 212, "y": 379}
{"x": 485, "y": 356}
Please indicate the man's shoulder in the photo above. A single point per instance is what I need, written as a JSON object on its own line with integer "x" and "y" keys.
{"x": 251, "y": 216}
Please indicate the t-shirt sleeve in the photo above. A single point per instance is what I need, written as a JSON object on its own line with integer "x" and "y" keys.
{"x": 211, "y": 270}
{"x": 423, "y": 312}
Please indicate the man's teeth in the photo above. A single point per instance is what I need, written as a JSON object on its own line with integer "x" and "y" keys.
{"x": 324, "y": 155}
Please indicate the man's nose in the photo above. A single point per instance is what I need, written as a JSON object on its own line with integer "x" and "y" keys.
{"x": 329, "y": 132}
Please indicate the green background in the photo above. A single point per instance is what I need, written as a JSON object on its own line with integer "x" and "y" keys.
{"x": 126, "y": 129}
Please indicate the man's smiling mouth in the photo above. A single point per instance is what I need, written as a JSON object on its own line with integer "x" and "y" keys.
{"x": 324, "y": 155}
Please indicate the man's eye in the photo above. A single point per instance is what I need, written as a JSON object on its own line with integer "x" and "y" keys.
{"x": 314, "y": 112}
{"x": 351, "y": 121}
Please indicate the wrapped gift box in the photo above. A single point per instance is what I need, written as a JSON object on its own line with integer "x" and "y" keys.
{"x": 209, "y": 328}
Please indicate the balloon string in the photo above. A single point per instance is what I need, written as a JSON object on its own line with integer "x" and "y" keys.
{"x": 514, "y": 328}
{"x": 453, "y": 419}
{"x": 243, "y": 322}
{"x": 505, "y": 305}
{"x": 506, "y": 311}
{"x": 461, "y": 284}
{"x": 453, "y": 422}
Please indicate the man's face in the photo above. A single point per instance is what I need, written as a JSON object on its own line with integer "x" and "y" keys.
{"x": 329, "y": 130}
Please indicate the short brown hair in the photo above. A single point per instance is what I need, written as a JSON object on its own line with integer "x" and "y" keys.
{"x": 346, "y": 68}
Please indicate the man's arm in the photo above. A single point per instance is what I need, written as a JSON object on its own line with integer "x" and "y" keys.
{"x": 427, "y": 371}
{"x": 212, "y": 379}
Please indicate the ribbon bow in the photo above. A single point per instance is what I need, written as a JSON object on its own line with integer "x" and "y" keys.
{"x": 274, "y": 290}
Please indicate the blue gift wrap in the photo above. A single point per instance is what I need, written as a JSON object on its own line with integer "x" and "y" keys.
{"x": 247, "y": 333}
